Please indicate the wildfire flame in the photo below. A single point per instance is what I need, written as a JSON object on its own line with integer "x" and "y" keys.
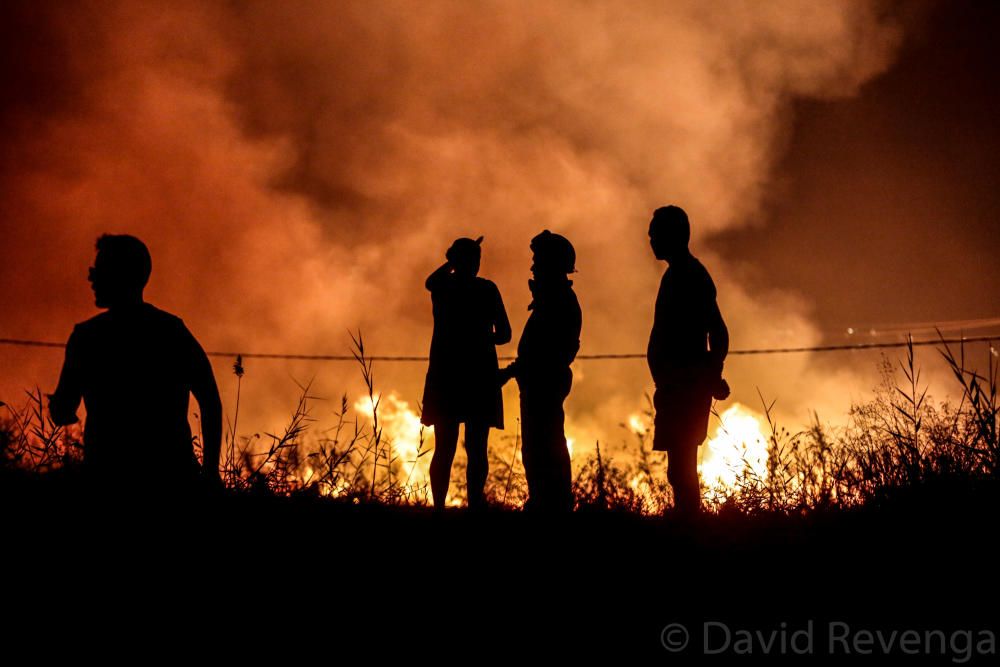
{"x": 403, "y": 434}
{"x": 636, "y": 425}
{"x": 739, "y": 444}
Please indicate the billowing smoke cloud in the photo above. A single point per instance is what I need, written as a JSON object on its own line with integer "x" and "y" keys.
{"x": 297, "y": 168}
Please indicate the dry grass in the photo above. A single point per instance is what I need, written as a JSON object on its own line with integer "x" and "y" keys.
{"x": 898, "y": 442}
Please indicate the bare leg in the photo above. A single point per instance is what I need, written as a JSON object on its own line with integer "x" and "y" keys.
{"x": 445, "y": 442}
{"x": 476, "y": 438}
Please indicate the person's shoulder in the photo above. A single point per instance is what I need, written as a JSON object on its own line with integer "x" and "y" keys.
{"x": 691, "y": 265}
{"x": 162, "y": 317}
{"x": 167, "y": 325}
{"x": 571, "y": 299}
{"x": 172, "y": 330}
{"x": 487, "y": 285}
{"x": 95, "y": 322}
{"x": 699, "y": 274}
{"x": 92, "y": 325}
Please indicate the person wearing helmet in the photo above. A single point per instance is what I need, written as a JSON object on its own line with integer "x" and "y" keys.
{"x": 469, "y": 322}
{"x": 548, "y": 345}
{"x": 687, "y": 347}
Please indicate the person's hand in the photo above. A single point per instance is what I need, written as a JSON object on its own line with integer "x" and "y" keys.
{"x": 59, "y": 414}
{"x": 505, "y": 374}
{"x": 721, "y": 391}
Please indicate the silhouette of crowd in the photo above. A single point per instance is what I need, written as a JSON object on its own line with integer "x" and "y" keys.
{"x": 134, "y": 367}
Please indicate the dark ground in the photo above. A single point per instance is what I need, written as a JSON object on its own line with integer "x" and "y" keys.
{"x": 299, "y": 579}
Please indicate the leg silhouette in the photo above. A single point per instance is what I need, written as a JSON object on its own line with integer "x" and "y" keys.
{"x": 682, "y": 473}
{"x": 545, "y": 453}
{"x": 476, "y": 437}
{"x": 445, "y": 442}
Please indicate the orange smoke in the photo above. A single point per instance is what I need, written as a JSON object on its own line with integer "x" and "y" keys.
{"x": 298, "y": 168}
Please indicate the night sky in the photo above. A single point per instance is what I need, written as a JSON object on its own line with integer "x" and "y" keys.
{"x": 888, "y": 206}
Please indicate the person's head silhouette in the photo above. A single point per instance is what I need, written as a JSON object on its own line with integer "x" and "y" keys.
{"x": 465, "y": 255}
{"x": 553, "y": 256}
{"x": 121, "y": 270}
{"x": 669, "y": 232}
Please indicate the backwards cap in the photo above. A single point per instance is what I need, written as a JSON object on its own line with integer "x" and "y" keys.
{"x": 464, "y": 247}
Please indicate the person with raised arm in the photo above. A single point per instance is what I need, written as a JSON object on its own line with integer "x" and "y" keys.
{"x": 470, "y": 321}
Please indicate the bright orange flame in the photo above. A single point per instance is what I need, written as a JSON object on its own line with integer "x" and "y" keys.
{"x": 404, "y": 434}
{"x": 739, "y": 445}
{"x": 636, "y": 425}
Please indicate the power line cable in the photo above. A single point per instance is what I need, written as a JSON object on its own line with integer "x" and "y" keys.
{"x": 589, "y": 357}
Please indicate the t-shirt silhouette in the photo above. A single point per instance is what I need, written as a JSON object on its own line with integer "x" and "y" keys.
{"x": 134, "y": 368}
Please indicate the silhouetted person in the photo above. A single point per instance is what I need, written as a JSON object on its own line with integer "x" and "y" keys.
{"x": 134, "y": 366}
{"x": 687, "y": 348}
{"x": 548, "y": 345}
{"x": 469, "y": 322}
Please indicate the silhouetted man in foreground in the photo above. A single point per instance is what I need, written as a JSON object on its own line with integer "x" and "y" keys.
{"x": 548, "y": 345}
{"x": 687, "y": 348}
{"x": 134, "y": 366}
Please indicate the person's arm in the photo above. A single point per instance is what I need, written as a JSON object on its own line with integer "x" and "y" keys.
{"x": 563, "y": 340}
{"x": 206, "y": 392}
{"x": 438, "y": 277}
{"x": 655, "y": 352}
{"x": 555, "y": 341}
{"x": 507, "y": 373}
{"x": 501, "y": 324}
{"x": 573, "y": 329}
{"x": 718, "y": 337}
{"x": 511, "y": 370}
{"x": 64, "y": 403}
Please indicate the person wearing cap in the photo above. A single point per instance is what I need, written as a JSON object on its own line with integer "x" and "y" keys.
{"x": 469, "y": 322}
{"x": 135, "y": 367}
{"x": 548, "y": 345}
{"x": 687, "y": 347}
